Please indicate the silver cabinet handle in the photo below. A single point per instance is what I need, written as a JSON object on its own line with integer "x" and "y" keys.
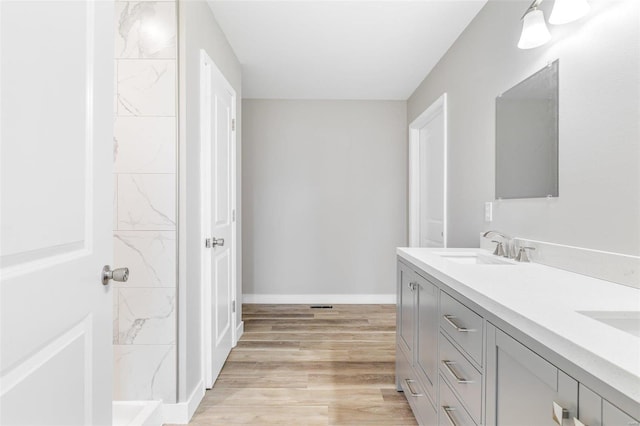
{"x": 458, "y": 379}
{"x": 449, "y": 319}
{"x": 412, "y": 285}
{"x": 411, "y": 391}
{"x": 119, "y": 274}
{"x": 558, "y": 413}
{"x": 447, "y": 412}
{"x": 577, "y": 422}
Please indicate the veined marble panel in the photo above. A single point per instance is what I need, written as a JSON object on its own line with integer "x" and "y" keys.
{"x": 145, "y": 145}
{"x": 115, "y": 202}
{"x": 146, "y": 316}
{"x": 115, "y": 87}
{"x": 147, "y": 87}
{"x": 116, "y": 331}
{"x": 149, "y": 255}
{"x": 147, "y": 202}
{"x": 145, "y": 30}
{"x": 144, "y": 372}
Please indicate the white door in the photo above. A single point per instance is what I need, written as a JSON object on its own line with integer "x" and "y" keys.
{"x": 217, "y": 118}
{"x": 56, "y": 103}
{"x": 428, "y": 177}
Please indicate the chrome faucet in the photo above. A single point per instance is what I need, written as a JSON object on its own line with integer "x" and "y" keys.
{"x": 502, "y": 247}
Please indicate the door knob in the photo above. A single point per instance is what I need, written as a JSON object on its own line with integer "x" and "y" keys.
{"x": 213, "y": 242}
{"x": 118, "y": 274}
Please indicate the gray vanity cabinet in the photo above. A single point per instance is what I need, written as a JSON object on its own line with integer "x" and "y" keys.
{"x": 589, "y": 407}
{"x": 612, "y": 416}
{"x": 523, "y": 388}
{"x": 593, "y": 410}
{"x": 406, "y": 308}
{"x": 416, "y": 349}
{"x": 456, "y": 367}
{"x": 427, "y": 335}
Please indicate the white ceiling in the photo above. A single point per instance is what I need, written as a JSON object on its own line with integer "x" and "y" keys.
{"x": 306, "y": 49}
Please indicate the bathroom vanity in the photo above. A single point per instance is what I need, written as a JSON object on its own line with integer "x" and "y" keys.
{"x": 483, "y": 340}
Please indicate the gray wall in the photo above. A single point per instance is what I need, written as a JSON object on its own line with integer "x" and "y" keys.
{"x": 324, "y": 194}
{"x": 599, "y": 203}
{"x": 198, "y": 29}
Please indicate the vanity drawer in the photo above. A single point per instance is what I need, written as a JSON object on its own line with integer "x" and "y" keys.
{"x": 463, "y": 325}
{"x": 452, "y": 413}
{"x": 420, "y": 404}
{"x": 462, "y": 376}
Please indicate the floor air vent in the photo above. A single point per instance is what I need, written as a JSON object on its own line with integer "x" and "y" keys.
{"x": 321, "y": 307}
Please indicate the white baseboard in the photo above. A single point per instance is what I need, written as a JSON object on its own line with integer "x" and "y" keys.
{"x": 139, "y": 413}
{"x": 335, "y": 299}
{"x": 182, "y": 412}
{"x": 239, "y": 330}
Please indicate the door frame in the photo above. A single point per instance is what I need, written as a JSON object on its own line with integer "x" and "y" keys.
{"x": 439, "y": 106}
{"x": 205, "y": 173}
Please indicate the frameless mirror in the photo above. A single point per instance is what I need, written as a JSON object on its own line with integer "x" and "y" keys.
{"x": 527, "y": 137}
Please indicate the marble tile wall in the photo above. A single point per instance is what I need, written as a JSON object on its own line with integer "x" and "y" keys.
{"x": 144, "y": 233}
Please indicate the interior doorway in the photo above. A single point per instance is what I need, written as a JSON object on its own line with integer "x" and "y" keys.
{"x": 428, "y": 177}
{"x": 218, "y": 222}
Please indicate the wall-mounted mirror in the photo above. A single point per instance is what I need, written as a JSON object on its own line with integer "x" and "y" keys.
{"x": 527, "y": 137}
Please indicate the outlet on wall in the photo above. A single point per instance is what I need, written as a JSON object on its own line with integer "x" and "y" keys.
{"x": 488, "y": 212}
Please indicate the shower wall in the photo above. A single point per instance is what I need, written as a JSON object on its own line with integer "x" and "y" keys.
{"x": 144, "y": 225}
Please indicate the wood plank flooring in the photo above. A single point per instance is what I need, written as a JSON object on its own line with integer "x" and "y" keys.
{"x": 300, "y": 366}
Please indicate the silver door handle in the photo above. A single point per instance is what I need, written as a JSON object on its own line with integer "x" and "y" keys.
{"x": 447, "y": 412}
{"x": 118, "y": 274}
{"x": 411, "y": 391}
{"x": 449, "y": 319}
{"x": 213, "y": 242}
{"x": 558, "y": 413}
{"x": 455, "y": 375}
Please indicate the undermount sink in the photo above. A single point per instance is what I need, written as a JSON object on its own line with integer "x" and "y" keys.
{"x": 627, "y": 321}
{"x": 470, "y": 258}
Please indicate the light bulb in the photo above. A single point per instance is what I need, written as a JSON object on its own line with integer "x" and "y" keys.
{"x": 534, "y": 30}
{"x": 565, "y": 11}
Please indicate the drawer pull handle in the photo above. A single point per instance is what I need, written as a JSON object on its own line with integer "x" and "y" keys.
{"x": 455, "y": 375}
{"x": 577, "y": 422}
{"x": 558, "y": 413}
{"x": 449, "y": 319}
{"x": 447, "y": 412}
{"x": 411, "y": 391}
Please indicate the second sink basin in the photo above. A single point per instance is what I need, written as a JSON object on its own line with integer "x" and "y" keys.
{"x": 470, "y": 258}
{"x": 627, "y": 321}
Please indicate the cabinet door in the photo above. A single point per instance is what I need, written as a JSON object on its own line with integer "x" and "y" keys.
{"x": 612, "y": 416}
{"x": 589, "y": 407}
{"x": 427, "y": 333}
{"x": 406, "y": 309}
{"x": 526, "y": 388}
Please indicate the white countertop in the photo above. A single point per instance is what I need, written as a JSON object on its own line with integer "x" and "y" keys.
{"x": 542, "y": 302}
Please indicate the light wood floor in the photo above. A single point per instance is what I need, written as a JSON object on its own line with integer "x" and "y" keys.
{"x": 300, "y": 366}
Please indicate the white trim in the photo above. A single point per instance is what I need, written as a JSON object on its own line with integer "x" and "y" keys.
{"x": 149, "y": 414}
{"x": 351, "y": 299}
{"x": 440, "y": 105}
{"x": 182, "y": 412}
{"x": 205, "y": 316}
{"x": 205, "y": 202}
{"x": 239, "y": 332}
{"x": 234, "y": 212}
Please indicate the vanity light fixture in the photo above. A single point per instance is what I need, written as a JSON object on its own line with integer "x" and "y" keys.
{"x": 534, "y": 28}
{"x": 565, "y": 11}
